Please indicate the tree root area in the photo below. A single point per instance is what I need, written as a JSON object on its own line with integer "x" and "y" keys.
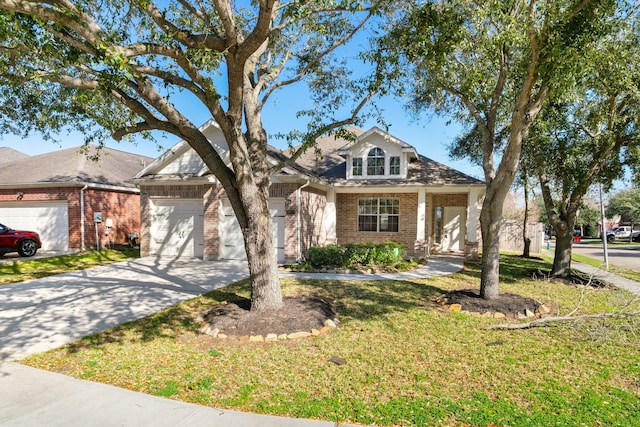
{"x": 506, "y": 303}
{"x": 575, "y": 279}
{"x": 297, "y": 314}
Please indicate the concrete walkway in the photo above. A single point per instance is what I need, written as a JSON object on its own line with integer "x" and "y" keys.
{"x": 41, "y": 314}
{"x": 606, "y": 276}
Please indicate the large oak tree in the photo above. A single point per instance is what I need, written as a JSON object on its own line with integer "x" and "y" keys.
{"x": 123, "y": 64}
{"x": 492, "y": 65}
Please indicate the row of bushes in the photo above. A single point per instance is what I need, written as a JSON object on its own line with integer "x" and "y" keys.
{"x": 355, "y": 254}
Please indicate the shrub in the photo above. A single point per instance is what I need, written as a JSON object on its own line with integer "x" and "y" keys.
{"x": 325, "y": 255}
{"x": 353, "y": 254}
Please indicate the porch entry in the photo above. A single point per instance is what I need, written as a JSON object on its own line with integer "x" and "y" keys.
{"x": 454, "y": 228}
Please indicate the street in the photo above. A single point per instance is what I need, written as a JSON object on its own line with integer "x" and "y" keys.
{"x": 623, "y": 256}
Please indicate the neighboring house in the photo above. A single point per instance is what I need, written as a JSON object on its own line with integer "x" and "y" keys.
{"x": 58, "y": 193}
{"x": 373, "y": 189}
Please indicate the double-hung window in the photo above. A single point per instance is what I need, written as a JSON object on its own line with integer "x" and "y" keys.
{"x": 379, "y": 214}
{"x": 394, "y": 165}
{"x": 356, "y": 166}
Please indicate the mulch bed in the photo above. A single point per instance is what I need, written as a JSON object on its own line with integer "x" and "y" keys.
{"x": 506, "y": 303}
{"x": 299, "y": 313}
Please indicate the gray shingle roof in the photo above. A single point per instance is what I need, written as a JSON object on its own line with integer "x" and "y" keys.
{"x": 8, "y": 154}
{"x": 114, "y": 167}
{"x": 422, "y": 170}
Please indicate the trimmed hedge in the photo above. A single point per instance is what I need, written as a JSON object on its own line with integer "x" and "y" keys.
{"x": 353, "y": 254}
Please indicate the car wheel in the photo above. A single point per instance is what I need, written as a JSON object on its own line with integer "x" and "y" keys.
{"x": 610, "y": 239}
{"x": 27, "y": 248}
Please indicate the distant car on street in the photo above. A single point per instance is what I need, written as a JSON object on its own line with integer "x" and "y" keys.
{"x": 622, "y": 233}
{"x": 26, "y": 243}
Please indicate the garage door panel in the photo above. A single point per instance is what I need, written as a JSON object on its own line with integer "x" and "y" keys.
{"x": 49, "y": 219}
{"x": 231, "y": 239}
{"x": 177, "y": 228}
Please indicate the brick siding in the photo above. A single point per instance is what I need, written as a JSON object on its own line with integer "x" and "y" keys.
{"x": 347, "y": 221}
{"x": 122, "y": 207}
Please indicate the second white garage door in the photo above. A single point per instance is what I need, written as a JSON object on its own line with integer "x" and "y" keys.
{"x": 231, "y": 241}
{"x": 49, "y": 219}
{"x": 177, "y": 228}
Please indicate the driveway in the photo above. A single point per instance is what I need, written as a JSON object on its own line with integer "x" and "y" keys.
{"x": 42, "y": 314}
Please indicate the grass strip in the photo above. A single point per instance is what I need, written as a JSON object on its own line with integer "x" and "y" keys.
{"x": 27, "y": 269}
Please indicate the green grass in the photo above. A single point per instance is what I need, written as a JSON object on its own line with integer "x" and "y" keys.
{"x": 407, "y": 361}
{"x": 27, "y": 269}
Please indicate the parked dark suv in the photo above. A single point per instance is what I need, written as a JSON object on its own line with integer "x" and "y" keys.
{"x": 26, "y": 243}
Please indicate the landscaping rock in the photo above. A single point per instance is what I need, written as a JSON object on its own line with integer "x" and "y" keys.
{"x": 338, "y": 360}
{"x": 271, "y": 338}
{"x": 330, "y": 323}
{"x": 256, "y": 338}
{"x": 529, "y": 313}
{"x": 455, "y": 307}
{"x": 498, "y": 315}
{"x": 296, "y": 335}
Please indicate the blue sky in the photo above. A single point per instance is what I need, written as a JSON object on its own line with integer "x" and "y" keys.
{"x": 428, "y": 134}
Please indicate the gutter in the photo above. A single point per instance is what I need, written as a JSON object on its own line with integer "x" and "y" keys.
{"x": 299, "y": 219}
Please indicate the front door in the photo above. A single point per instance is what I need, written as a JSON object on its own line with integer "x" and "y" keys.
{"x": 454, "y": 231}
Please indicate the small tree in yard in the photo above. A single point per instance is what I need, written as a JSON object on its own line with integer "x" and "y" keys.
{"x": 626, "y": 204}
{"x": 492, "y": 66}
{"x": 589, "y": 136}
{"x": 121, "y": 65}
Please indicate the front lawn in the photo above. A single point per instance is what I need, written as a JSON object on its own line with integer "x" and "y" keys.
{"x": 26, "y": 269}
{"x": 408, "y": 361}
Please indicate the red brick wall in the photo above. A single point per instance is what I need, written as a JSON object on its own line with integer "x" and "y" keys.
{"x": 123, "y": 208}
{"x": 347, "y": 220}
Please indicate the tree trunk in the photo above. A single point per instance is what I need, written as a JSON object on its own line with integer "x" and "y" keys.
{"x": 562, "y": 256}
{"x": 526, "y": 252}
{"x": 261, "y": 254}
{"x": 490, "y": 219}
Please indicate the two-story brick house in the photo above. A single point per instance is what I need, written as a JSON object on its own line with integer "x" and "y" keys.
{"x": 373, "y": 189}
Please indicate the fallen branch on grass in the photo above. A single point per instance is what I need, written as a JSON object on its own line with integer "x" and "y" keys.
{"x": 544, "y": 321}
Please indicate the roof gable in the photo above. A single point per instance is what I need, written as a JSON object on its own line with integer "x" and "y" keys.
{"x": 377, "y": 137}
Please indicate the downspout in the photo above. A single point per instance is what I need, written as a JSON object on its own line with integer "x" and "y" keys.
{"x": 82, "y": 216}
{"x": 299, "y": 220}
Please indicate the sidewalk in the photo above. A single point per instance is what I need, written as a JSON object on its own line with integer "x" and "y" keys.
{"x": 80, "y": 303}
{"x": 31, "y": 397}
{"x": 606, "y": 276}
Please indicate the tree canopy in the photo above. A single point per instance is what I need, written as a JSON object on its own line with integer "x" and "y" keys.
{"x": 626, "y": 204}
{"x": 119, "y": 66}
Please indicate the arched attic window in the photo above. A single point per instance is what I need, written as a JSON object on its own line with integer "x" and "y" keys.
{"x": 375, "y": 162}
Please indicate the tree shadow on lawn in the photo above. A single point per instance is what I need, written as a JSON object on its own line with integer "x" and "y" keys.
{"x": 358, "y": 300}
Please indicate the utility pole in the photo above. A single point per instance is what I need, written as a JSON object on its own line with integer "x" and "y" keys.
{"x": 604, "y": 231}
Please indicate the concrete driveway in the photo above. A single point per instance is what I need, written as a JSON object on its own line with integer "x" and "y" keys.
{"x": 42, "y": 314}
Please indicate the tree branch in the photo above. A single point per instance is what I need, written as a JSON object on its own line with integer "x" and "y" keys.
{"x": 545, "y": 321}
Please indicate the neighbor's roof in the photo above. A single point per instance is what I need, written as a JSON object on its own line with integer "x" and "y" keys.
{"x": 8, "y": 154}
{"x": 114, "y": 167}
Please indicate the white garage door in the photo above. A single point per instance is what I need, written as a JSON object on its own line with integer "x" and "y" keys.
{"x": 231, "y": 241}
{"x": 49, "y": 219}
{"x": 177, "y": 228}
